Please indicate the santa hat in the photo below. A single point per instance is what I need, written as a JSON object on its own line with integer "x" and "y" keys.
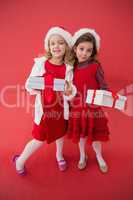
{"x": 83, "y": 31}
{"x": 60, "y": 31}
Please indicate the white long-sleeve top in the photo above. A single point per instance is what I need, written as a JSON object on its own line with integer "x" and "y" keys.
{"x": 39, "y": 70}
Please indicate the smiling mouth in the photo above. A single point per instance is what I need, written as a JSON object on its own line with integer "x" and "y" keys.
{"x": 57, "y": 51}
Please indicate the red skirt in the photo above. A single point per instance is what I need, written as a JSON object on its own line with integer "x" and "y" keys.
{"x": 87, "y": 122}
{"x": 53, "y": 124}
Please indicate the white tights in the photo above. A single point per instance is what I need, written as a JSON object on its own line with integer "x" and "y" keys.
{"x": 82, "y": 143}
{"x": 97, "y": 147}
{"x": 33, "y": 146}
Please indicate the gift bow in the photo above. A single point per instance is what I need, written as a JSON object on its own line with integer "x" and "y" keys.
{"x": 115, "y": 97}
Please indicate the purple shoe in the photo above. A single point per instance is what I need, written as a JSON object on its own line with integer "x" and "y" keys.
{"x": 21, "y": 172}
{"x": 62, "y": 165}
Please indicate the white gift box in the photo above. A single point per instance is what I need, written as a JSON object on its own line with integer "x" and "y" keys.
{"x": 105, "y": 98}
{"x": 59, "y": 84}
{"x": 36, "y": 83}
{"x": 39, "y": 83}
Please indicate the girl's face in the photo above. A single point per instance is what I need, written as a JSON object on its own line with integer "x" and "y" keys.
{"x": 83, "y": 51}
{"x": 57, "y": 46}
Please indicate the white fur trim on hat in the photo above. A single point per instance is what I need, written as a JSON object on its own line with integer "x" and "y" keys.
{"x": 82, "y": 31}
{"x": 60, "y": 31}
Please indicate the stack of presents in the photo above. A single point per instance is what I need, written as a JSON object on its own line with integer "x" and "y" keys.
{"x": 94, "y": 97}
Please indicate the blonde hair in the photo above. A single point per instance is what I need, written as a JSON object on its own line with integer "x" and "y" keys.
{"x": 67, "y": 59}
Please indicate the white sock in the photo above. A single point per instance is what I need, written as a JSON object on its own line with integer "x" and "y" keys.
{"x": 82, "y": 143}
{"x": 29, "y": 149}
{"x": 59, "y": 149}
{"x": 97, "y": 146}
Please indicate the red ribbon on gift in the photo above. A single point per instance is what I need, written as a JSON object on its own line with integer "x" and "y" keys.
{"x": 115, "y": 97}
{"x": 48, "y": 93}
{"x": 93, "y": 97}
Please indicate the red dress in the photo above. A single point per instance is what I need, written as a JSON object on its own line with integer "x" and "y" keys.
{"x": 86, "y": 120}
{"x": 52, "y": 125}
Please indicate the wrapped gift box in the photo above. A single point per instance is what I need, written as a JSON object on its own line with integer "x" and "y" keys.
{"x": 36, "y": 83}
{"x": 106, "y": 98}
{"x": 59, "y": 84}
{"x": 39, "y": 83}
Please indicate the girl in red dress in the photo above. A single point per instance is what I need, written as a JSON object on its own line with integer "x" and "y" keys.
{"x": 87, "y": 122}
{"x": 49, "y": 122}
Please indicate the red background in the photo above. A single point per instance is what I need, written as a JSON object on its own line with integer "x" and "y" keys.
{"x": 23, "y": 26}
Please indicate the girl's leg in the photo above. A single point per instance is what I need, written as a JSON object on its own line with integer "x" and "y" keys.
{"x": 97, "y": 146}
{"x": 83, "y": 157}
{"x": 29, "y": 149}
{"x": 62, "y": 164}
{"x": 59, "y": 149}
{"x": 82, "y": 143}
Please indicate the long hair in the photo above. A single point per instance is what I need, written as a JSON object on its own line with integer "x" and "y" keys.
{"x": 87, "y": 37}
{"x": 67, "y": 59}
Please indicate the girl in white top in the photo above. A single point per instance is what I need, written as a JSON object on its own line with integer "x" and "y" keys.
{"x": 54, "y": 65}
